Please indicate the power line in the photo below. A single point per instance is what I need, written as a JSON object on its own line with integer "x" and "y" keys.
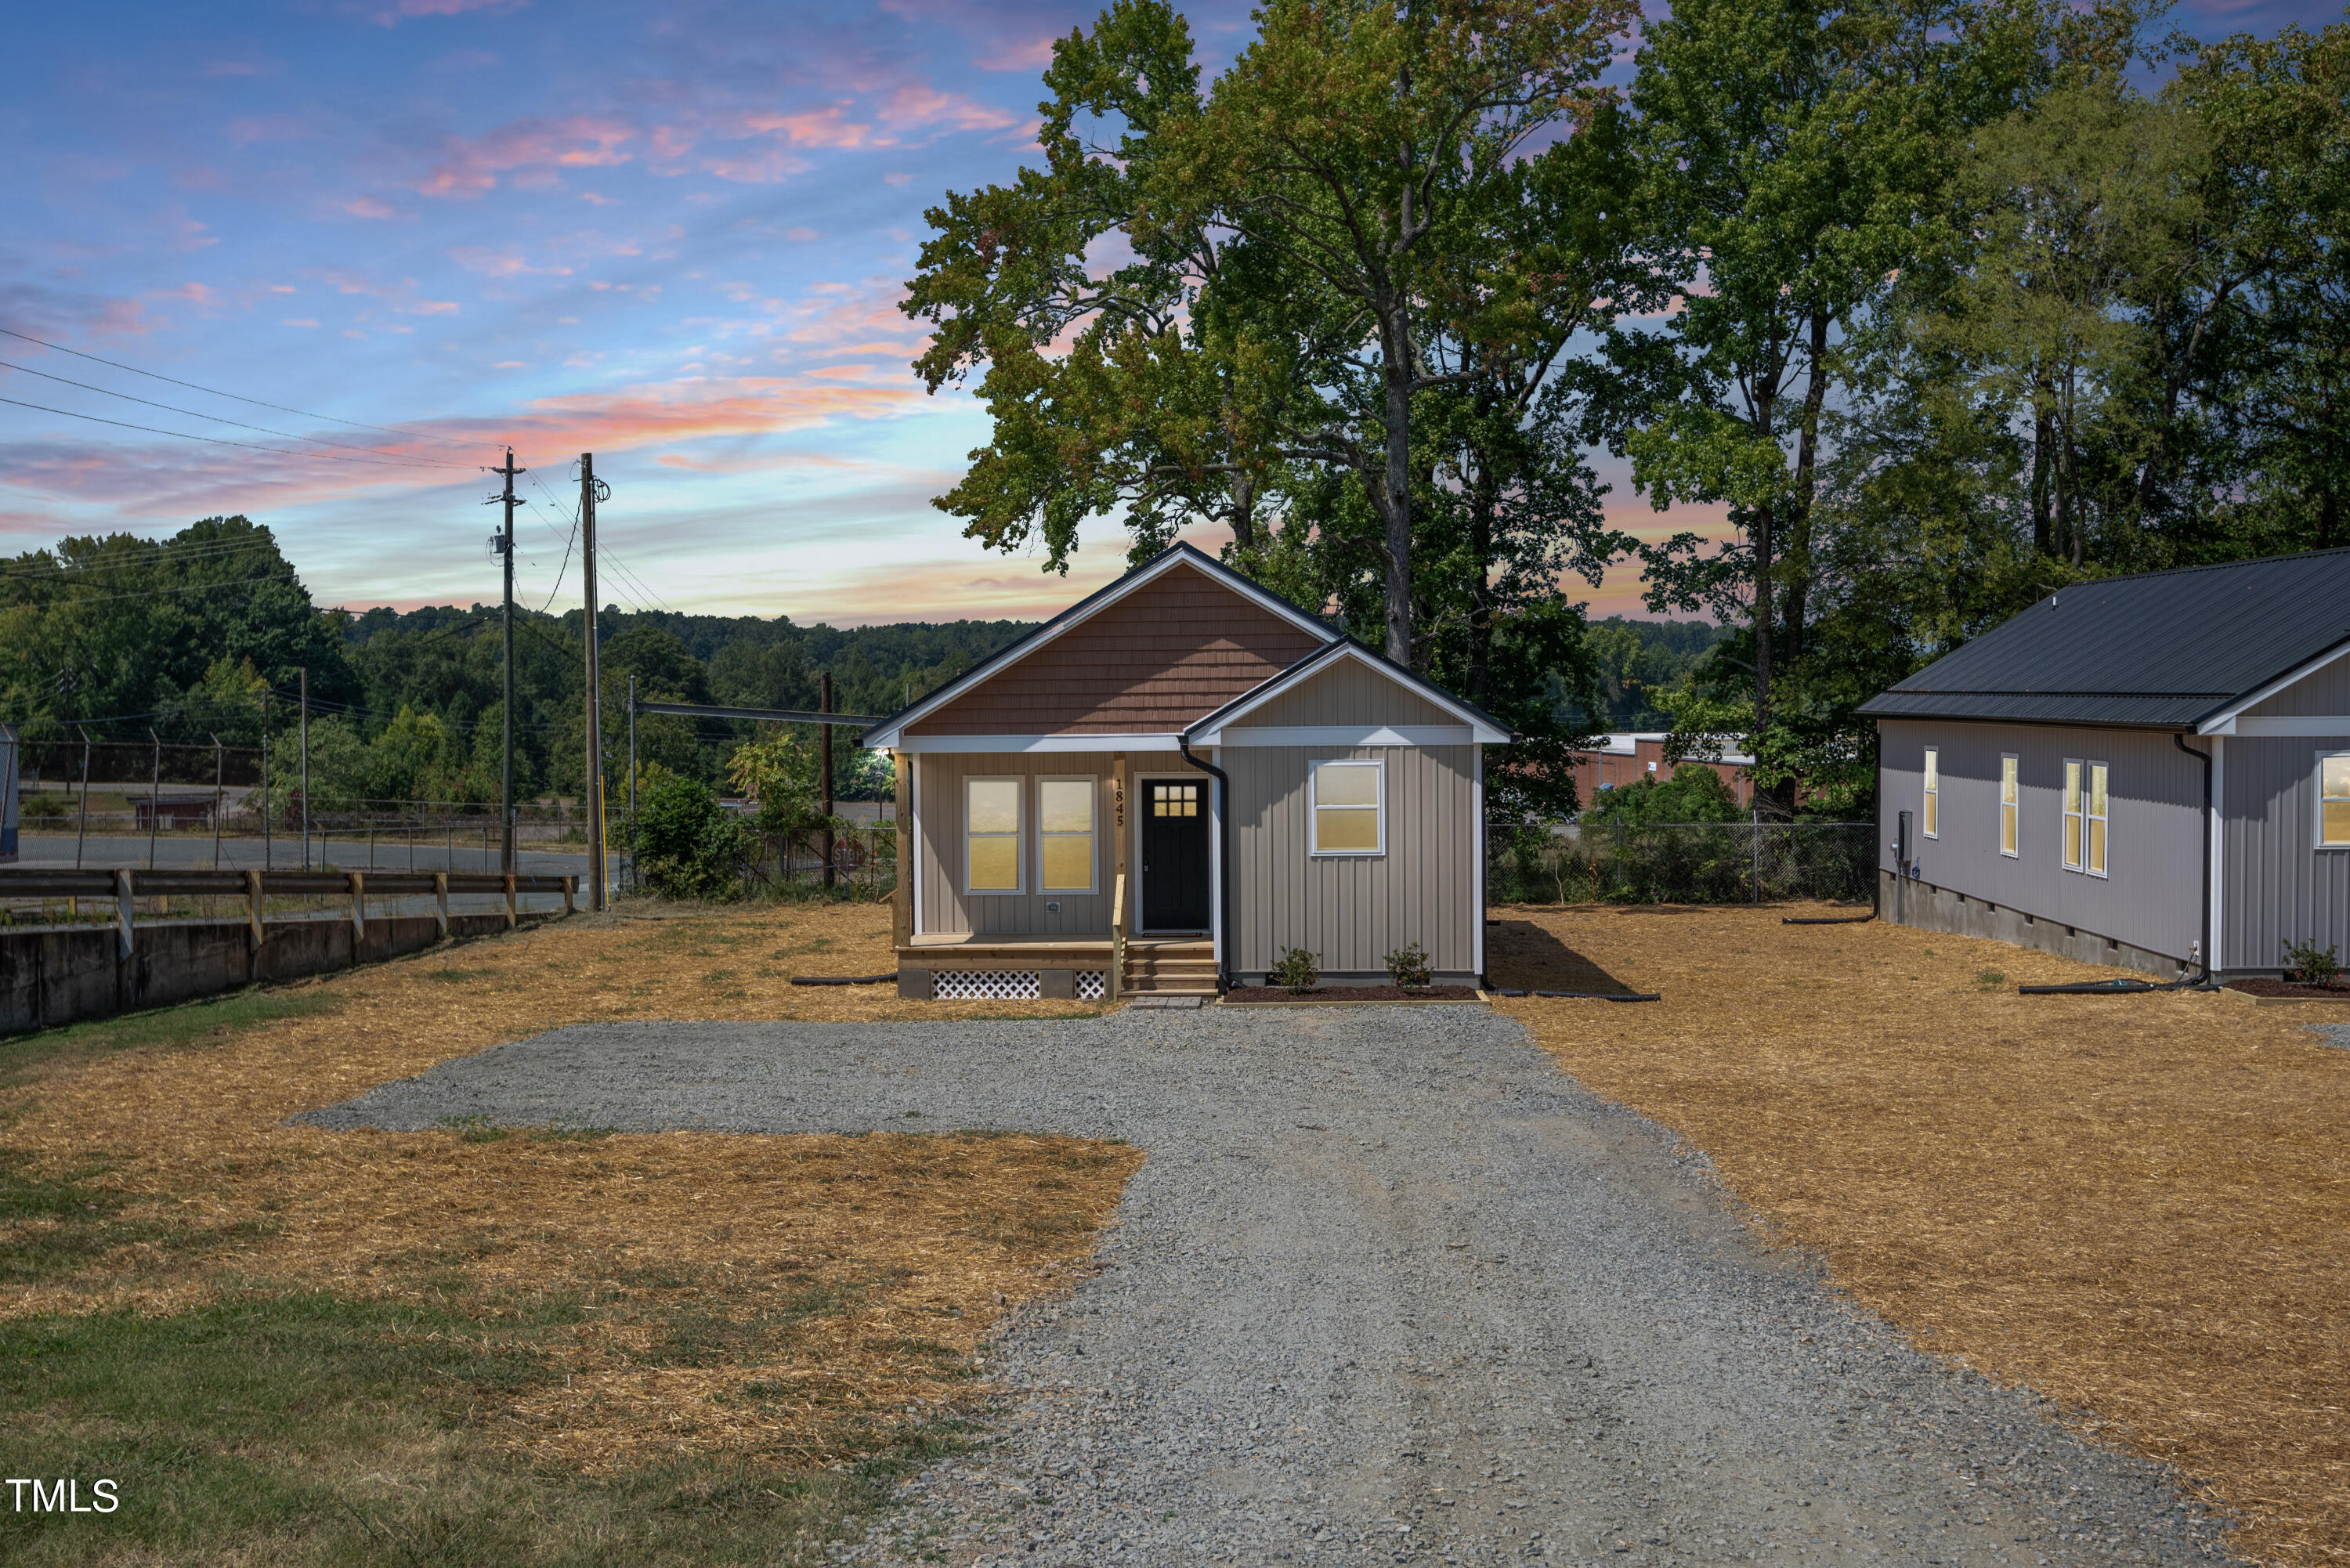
{"x": 215, "y": 418}
{"x": 216, "y": 393}
{"x": 182, "y": 435}
{"x": 64, "y": 572}
{"x": 188, "y": 588}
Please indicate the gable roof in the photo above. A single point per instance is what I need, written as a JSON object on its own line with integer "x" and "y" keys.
{"x": 1209, "y": 728}
{"x": 2182, "y": 649}
{"x": 891, "y": 731}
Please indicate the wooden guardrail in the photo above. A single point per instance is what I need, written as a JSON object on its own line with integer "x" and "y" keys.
{"x": 124, "y": 887}
{"x": 1117, "y": 941}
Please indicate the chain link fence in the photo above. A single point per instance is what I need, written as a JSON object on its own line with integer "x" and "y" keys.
{"x": 1681, "y": 862}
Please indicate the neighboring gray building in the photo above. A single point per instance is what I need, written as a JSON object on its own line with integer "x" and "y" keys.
{"x": 2139, "y": 771}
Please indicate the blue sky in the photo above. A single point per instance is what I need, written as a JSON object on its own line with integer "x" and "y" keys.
{"x": 674, "y": 235}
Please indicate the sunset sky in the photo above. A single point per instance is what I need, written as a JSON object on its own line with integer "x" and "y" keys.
{"x": 674, "y": 235}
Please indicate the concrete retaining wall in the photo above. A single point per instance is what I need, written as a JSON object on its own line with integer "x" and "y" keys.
{"x": 53, "y": 977}
{"x": 1933, "y": 908}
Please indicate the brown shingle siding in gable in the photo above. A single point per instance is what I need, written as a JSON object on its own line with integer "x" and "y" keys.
{"x": 1173, "y": 649}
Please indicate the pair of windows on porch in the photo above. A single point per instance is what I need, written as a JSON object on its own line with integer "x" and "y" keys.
{"x": 2082, "y": 839}
{"x": 997, "y": 813}
{"x": 1346, "y": 804}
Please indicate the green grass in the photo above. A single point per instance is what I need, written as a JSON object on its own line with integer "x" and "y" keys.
{"x": 308, "y": 1430}
{"x": 188, "y": 1025}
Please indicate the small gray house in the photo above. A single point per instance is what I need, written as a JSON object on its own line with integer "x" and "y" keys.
{"x": 1170, "y": 782}
{"x": 2140, "y": 771}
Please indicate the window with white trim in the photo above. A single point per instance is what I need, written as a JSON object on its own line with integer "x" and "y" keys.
{"x": 1064, "y": 834}
{"x": 2072, "y": 805}
{"x": 1349, "y": 804}
{"x": 1932, "y": 819}
{"x": 2097, "y": 867}
{"x": 2009, "y": 806}
{"x": 991, "y": 828}
{"x": 2333, "y": 800}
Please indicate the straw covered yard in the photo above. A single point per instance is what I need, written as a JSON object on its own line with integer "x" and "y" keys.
{"x": 2135, "y": 1204}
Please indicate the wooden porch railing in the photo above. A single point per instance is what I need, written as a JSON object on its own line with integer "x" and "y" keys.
{"x": 1117, "y": 977}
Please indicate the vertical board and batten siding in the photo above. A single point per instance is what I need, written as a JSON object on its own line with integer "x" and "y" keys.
{"x": 947, "y": 910}
{"x": 2152, "y": 898}
{"x": 1354, "y": 910}
{"x": 1345, "y": 693}
{"x": 2321, "y": 691}
{"x": 2277, "y": 885}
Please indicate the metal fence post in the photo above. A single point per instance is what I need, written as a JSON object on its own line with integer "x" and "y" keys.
{"x": 1758, "y": 853}
{"x": 123, "y": 896}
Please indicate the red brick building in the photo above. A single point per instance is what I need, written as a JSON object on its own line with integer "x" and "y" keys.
{"x": 1629, "y": 756}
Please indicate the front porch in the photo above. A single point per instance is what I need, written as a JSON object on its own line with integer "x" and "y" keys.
{"x": 964, "y": 967}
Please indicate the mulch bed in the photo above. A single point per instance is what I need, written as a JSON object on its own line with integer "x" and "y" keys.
{"x": 2263, "y": 986}
{"x": 1353, "y": 993}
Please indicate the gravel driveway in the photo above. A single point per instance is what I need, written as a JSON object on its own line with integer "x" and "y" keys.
{"x": 1388, "y": 1288}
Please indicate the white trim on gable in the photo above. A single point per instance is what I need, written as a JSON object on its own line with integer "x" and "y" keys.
{"x": 1213, "y": 730}
{"x": 2232, "y": 722}
{"x": 1351, "y": 735}
{"x": 1121, "y": 743}
{"x": 893, "y": 735}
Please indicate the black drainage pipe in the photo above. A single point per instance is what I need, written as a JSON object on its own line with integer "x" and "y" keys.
{"x": 1603, "y": 995}
{"x": 843, "y": 979}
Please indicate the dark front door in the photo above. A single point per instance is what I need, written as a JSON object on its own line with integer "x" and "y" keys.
{"x": 1174, "y": 854}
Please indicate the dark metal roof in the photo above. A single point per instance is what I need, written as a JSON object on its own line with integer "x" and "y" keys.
{"x": 2164, "y": 650}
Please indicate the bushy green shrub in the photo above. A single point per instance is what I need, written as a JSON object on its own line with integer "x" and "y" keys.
{"x": 1694, "y": 793}
{"x": 1407, "y": 967}
{"x": 688, "y": 845}
{"x": 2312, "y": 965}
{"x": 1299, "y": 969}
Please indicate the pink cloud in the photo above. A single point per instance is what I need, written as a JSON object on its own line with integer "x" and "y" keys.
{"x": 826, "y": 127}
{"x": 1029, "y": 55}
{"x": 470, "y": 168}
{"x": 409, "y": 10}
{"x": 172, "y": 479}
{"x": 500, "y": 264}
{"x": 370, "y": 207}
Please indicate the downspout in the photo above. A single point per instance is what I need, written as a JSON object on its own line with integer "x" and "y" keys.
{"x": 1223, "y": 861}
{"x": 2203, "y": 981}
{"x": 2179, "y": 740}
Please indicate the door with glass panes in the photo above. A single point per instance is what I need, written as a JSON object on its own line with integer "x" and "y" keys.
{"x": 1174, "y": 854}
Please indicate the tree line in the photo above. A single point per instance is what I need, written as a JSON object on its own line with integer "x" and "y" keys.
{"x": 210, "y": 632}
{"x": 1938, "y": 302}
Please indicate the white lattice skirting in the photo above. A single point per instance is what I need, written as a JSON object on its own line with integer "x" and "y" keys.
{"x": 1093, "y": 984}
{"x": 986, "y": 984}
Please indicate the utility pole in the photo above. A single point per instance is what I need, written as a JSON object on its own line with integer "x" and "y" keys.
{"x": 305, "y": 767}
{"x": 504, "y": 545}
{"x": 155, "y": 796}
{"x": 266, "y": 863}
{"x": 590, "y": 492}
{"x": 81, "y": 832}
{"x": 633, "y": 780}
{"x": 823, "y": 770}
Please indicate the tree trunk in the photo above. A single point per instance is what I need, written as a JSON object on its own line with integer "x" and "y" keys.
{"x": 2043, "y": 543}
{"x": 1480, "y": 603}
{"x": 1395, "y": 505}
{"x": 1797, "y": 546}
{"x": 1243, "y": 512}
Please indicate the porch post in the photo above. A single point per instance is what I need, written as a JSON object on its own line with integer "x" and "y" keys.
{"x": 902, "y": 902}
{"x": 1115, "y": 979}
